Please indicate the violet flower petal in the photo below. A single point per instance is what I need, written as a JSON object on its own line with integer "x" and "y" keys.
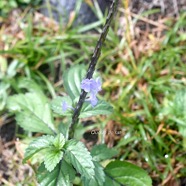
{"x": 93, "y": 99}
{"x": 64, "y": 106}
{"x": 98, "y": 81}
{"x": 85, "y": 85}
{"x": 91, "y": 85}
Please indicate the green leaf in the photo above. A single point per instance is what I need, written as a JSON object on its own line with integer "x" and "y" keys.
{"x": 175, "y": 108}
{"x": 64, "y": 128}
{"x": 32, "y": 112}
{"x": 56, "y": 105}
{"x": 80, "y": 158}
{"x": 31, "y": 86}
{"x": 127, "y": 174}
{"x": 182, "y": 131}
{"x": 3, "y": 94}
{"x": 3, "y": 64}
{"x": 110, "y": 181}
{"x": 99, "y": 177}
{"x": 72, "y": 79}
{"x": 52, "y": 146}
{"x": 32, "y": 123}
{"x": 59, "y": 141}
{"x": 13, "y": 68}
{"x": 37, "y": 145}
{"x": 102, "y": 152}
{"x": 179, "y": 104}
{"x": 62, "y": 175}
{"x": 51, "y": 158}
{"x": 102, "y": 108}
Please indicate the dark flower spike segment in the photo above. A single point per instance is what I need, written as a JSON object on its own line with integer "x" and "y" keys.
{"x": 93, "y": 62}
{"x": 93, "y": 87}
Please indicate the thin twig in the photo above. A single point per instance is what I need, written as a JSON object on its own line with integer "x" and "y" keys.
{"x": 93, "y": 62}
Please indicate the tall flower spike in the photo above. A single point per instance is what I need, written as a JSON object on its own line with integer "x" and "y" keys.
{"x": 93, "y": 62}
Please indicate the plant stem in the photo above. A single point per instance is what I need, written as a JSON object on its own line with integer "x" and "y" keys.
{"x": 93, "y": 62}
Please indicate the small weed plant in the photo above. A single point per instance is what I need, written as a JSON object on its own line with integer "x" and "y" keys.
{"x": 64, "y": 160}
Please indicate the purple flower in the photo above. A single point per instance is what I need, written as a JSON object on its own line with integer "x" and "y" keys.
{"x": 86, "y": 85}
{"x": 91, "y": 86}
{"x": 98, "y": 82}
{"x": 93, "y": 100}
{"x": 65, "y": 106}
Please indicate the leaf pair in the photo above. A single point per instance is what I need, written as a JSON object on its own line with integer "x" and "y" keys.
{"x": 56, "y": 150}
{"x": 52, "y": 147}
{"x": 72, "y": 81}
{"x": 62, "y": 157}
{"x": 102, "y": 107}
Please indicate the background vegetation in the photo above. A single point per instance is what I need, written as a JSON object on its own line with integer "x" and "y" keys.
{"x": 144, "y": 78}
